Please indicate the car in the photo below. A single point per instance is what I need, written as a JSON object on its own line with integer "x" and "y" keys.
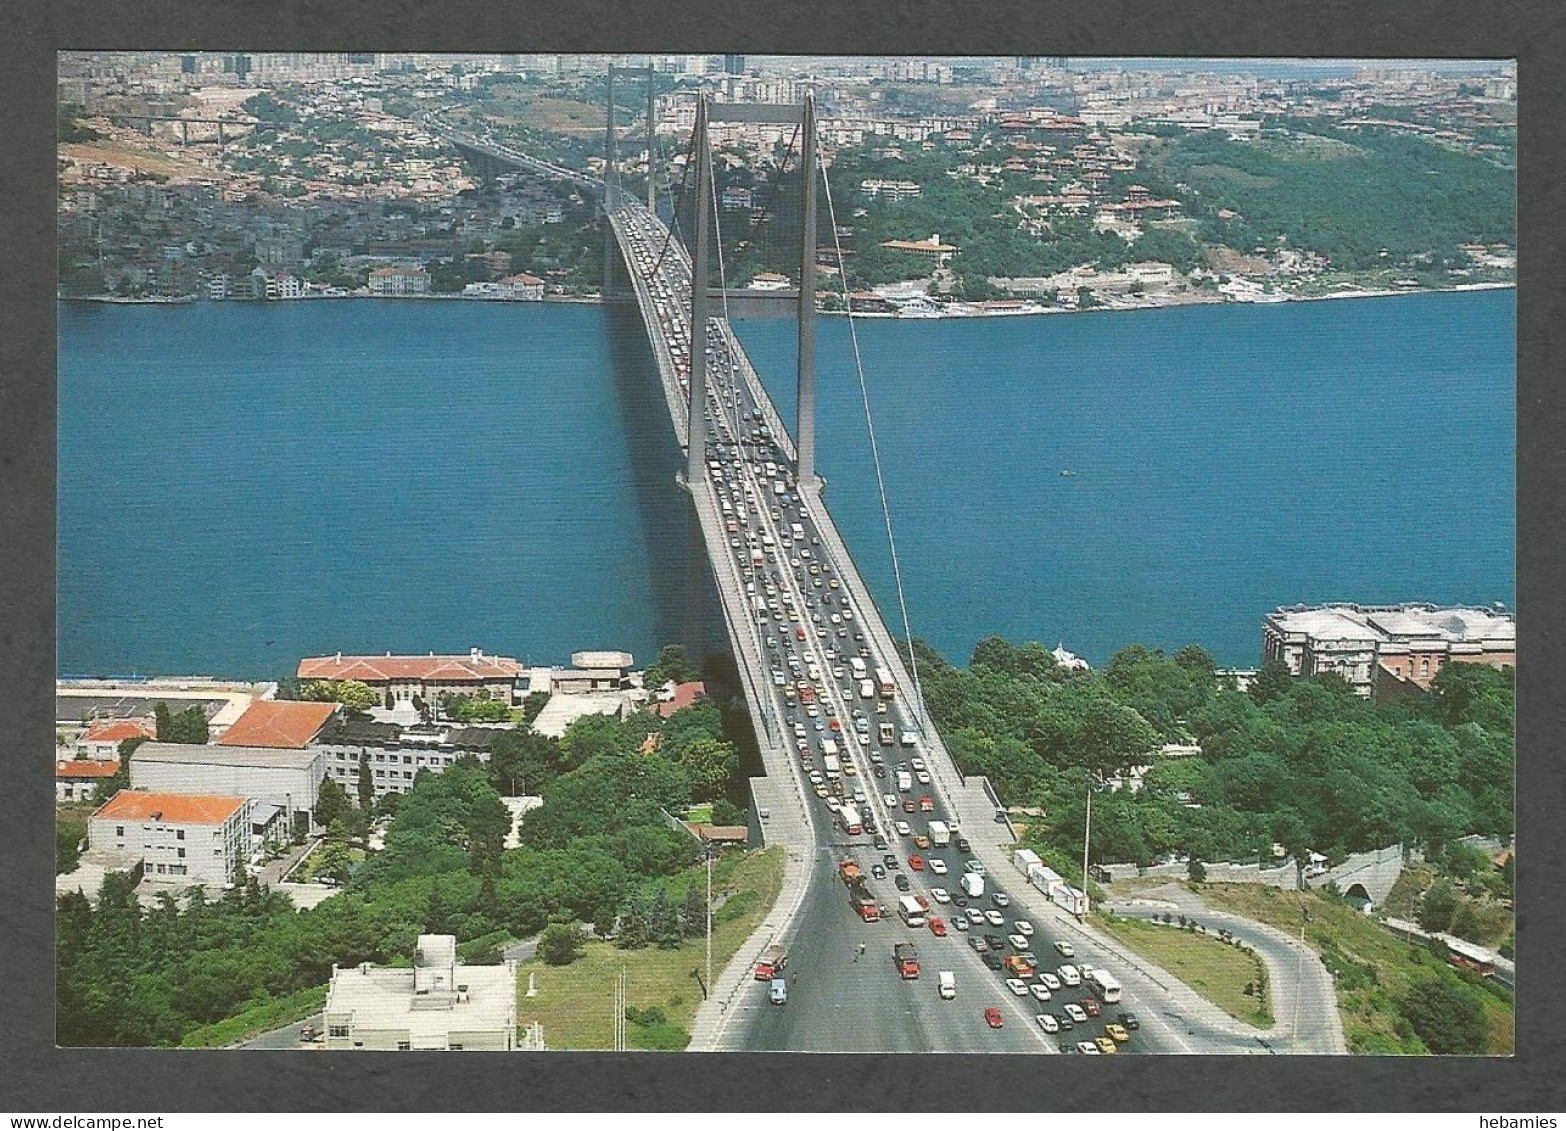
{"x": 927, "y": 804}
{"x": 1000, "y": 899}
{"x": 916, "y": 863}
{"x": 1091, "y": 1006}
{"x": 921, "y": 841}
{"x": 1069, "y": 974}
{"x": 975, "y": 916}
{"x": 1066, "y": 1047}
{"x": 974, "y": 866}
{"x": 1129, "y": 1020}
{"x": 1105, "y": 1045}
{"x": 993, "y": 1018}
{"x": 1017, "y": 986}
{"x": 963, "y": 846}
{"x": 903, "y": 829}
{"x": 1066, "y": 1023}
{"x": 976, "y": 941}
{"x": 922, "y": 777}
{"x": 890, "y": 860}
{"x": 940, "y": 895}
{"x": 937, "y": 926}
{"x": 1019, "y": 943}
{"x": 994, "y": 918}
{"x": 992, "y": 960}
{"x": 1117, "y": 1033}
{"x": 1018, "y": 966}
{"x": 1089, "y": 1047}
{"x": 1075, "y": 1012}
{"x": 880, "y": 771}
{"x": 1047, "y": 1023}
{"x": 902, "y": 882}
{"x": 1065, "y": 950}
{"x": 938, "y": 866}
{"x": 878, "y": 871}
{"x": 1040, "y": 991}
{"x": 889, "y": 800}
{"x": 821, "y": 790}
{"x": 908, "y": 806}
{"x": 959, "y": 923}
{"x": 1023, "y": 927}
{"x": 1049, "y": 979}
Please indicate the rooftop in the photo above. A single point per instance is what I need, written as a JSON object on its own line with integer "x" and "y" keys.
{"x": 614, "y": 660}
{"x": 263, "y": 757}
{"x": 73, "y": 770}
{"x": 279, "y": 723}
{"x": 118, "y": 730}
{"x": 1396, "y": 622}
{"x": 479, "y": 998}
{"x": 381, "y": 669}
{"x": 175, "y": 808}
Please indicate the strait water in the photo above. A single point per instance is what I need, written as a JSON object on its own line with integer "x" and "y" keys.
{"x": 244, "y": 484}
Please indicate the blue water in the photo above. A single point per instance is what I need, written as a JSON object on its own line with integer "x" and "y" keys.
{"x": 241, "y": 485}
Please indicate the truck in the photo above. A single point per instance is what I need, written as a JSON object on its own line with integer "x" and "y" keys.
{"x": 853, "y": 825}
{"x": 948, "y": 984}
{"x": 1103, "y": 983}
{"x": 884, "y": 732}
{"x": 830, "y": 764}
{"x": 850, "y": 873}
{"x": 857, "y": 663}
{"x": 771, "y": 962}
{"x": 909, "y": 738}
{"x": 910, "y": 912}
{"x": 973, "y": 884}
{"x": 864, "y": 903}
{"x": 906, "y": 958}
{"x": 904, "y": 781}
{"x": 883, "y": 679}
{"x": 797, "y": 531}
{"x": 866, "y": 689}
{"x": 940, "y": 834}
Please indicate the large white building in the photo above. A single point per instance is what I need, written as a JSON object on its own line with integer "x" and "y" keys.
{"x": 287, "y": 781}
{"x": 438, "y": 1004}
{"x": 180, "y": 838}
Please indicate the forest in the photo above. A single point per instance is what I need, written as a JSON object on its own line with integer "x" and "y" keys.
{"x": 597, "y": 852}
{"x": 1300, "y": 762}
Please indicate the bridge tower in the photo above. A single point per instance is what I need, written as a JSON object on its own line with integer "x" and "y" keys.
{"x": 805, "y": 472}
{"x": 611, "y": 184}
{"x": 696, "y": 447}
{"x": 652, "y": 122}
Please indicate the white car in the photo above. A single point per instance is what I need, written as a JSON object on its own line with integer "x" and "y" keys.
{"x": 1023, "y": 927}
{"x": 1065, "y": 950}
{"x": 916, "y": 763}
{"x": 891, "y": 800}
{"x": 834, "y": 804}
{"x": 975, "y": 916}
{"x": 1017, "y": 986}
{"x": 1040, "y": 991}
{"x": 1088, "y": 1047}
{"x": 903, "y": 829}
{"x": 993, "y": 918}
{"x": 959, "y": 923}
{"x": 922, "y": 778}
{"x": 1076, "y": 1012}
{"x": 938, "y": 866}
{"x": 1018, "y": 942}
{"x": 1049, "y": 979}
{"x": 940, "y": 895}
{"x": 1070, "y": 975}
{"x": 1048, "y": 1023}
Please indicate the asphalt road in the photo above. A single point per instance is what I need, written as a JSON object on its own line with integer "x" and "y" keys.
{"x": 285, "y": 1038}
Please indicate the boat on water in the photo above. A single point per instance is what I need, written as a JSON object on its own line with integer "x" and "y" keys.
{"x": 141, "y": 300}
{"x": 1067, "y": 473}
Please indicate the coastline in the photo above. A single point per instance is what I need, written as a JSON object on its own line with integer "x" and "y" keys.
{"x": 965, "y": 312}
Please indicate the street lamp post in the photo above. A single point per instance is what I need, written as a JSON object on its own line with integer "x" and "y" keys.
{"x": 1087, "y": 832}
{"x": 709, "y": 918}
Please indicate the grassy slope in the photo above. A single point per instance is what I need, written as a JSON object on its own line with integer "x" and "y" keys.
{"x": 1345, "y": 937}
{"x": 1214, "y": 969}
{"x": 575, "y": 1003}
{"x": 253, "y": 1022}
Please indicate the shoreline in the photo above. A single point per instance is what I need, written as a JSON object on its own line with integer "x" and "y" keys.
{"x": 947, "y": 316}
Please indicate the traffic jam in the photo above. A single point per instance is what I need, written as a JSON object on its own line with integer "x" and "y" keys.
{"x": 857, "y": 742}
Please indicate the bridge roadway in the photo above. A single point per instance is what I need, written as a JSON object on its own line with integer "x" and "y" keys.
{"x": 819, "y": 614}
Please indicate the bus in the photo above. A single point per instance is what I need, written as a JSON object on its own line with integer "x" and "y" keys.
{"x": 851, "y": 821}
{"x": 1104, "y": 984}
{"x": 884, "y": 679}
{"x": 909, "y": 911}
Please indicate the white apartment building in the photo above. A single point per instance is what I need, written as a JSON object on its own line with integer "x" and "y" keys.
{"x": 180, "y": 838}
{"x": 438, "y": 1004}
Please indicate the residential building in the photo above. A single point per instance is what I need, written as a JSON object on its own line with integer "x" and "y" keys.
{"x": 282, "y": 782}
{"x": 891, "y": 190}
{"x": 524, "y": 287}
{"x": 396, "y": 754}
{"x": 78, "y": 780}
{"x": 399, "y": 282}
{"x": 274, "y": 284}
{"x": 932, "y": 248}
{"x": 677, "y": 696}
{"x": 438, "y": 1004}
{"x": 181, "y": 838}
{"x": 1385, "y": 649}
{"x": 424, "y": 677}
{"x": 280, "y": 723}
{"x": 101, "y": 740}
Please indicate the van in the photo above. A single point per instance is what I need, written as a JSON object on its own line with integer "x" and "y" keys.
{"x": 948, "y": 984}
{"x": 778, "y": 994}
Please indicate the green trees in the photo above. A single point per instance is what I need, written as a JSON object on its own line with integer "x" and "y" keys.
{"x": 474, "y": 709}
{"x": 350, "y": 693}
{"x": 561, "y": 944}
{"x": 671, "y": 664}
{"x": 532, "y": 704}
{"x": 331, "y": 803}
{"x": 366, "y": 783}
{"x": 708, "y": 765}
{"x": 189, "y": 726}
{"x": 1437, "y": 907}
{"x": 1447, "y": 1016}
{"x": 121, "y": 779}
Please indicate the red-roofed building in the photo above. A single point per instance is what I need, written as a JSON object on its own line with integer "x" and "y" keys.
{"x": 526, "y": 287}
{"x": 279, "y": 723}
{"x": 427, "y": 677}
{"x": 102, "y": 739}
{"x": 181, "y": 838}
{"x": 685, "y": 694}
{"x": 75, "y": 781}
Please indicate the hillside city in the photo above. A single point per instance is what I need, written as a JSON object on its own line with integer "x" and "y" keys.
{"x": 407, "y": 851}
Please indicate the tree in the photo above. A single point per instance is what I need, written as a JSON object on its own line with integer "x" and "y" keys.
{"x": 121, "y": 778}
{"x": 672, "y": 664}
{"x": 994, "y": 652}
{"x": 351, "y": 693}
{"x": 366, "y": 783}
{"x": 663, "y": 921}
{"x": 331, "y": 803}
{"x": 1438, "y": 906}
{"x": 1197, "y": 871}
{"x": 561, "y": 944}
{"x": 1272, "y": 682}
{"x": 333, "y": 860}
{"x": 1447, "y": 1016}
{"x": 533, "y": 703}
{"x": 708, "y": 764}
{"x": 693, "y": 916}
